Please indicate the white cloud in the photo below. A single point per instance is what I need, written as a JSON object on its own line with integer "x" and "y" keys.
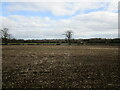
{"x": 60, "y": 8}
{"x": 112, "y": 6}
{"x": 59, "y": 0}
{"x": 96, "y": 24}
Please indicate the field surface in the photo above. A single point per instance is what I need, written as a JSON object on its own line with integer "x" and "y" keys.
{"x": 50, "y": 66}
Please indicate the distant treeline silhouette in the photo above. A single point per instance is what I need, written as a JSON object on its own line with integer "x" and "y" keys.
{"x": 6, "y": 39}
{"x": 92, "y": 41}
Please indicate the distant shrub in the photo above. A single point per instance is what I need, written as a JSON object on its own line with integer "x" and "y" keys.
{"x": 58, "y": 44}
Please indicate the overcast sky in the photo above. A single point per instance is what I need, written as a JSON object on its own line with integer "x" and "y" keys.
{"x": 49, "y": 20}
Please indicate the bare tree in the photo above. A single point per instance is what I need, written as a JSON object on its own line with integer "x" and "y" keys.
{"x": 68, "y": 34}
{"x": 5, "y": 35}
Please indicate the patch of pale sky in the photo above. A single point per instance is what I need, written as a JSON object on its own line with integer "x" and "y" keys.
{"x": 84, "y": 25}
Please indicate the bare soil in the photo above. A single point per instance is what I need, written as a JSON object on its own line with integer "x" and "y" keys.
{"x": 37, "y": 66}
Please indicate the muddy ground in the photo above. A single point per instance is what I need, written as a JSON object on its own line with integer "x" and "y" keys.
{"x": 37, "y": 66}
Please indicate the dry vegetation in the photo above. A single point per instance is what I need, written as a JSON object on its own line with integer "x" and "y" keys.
{"x": 37, "y": 66}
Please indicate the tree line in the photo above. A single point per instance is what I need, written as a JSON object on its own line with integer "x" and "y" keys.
{"x": 7, "y": 39}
